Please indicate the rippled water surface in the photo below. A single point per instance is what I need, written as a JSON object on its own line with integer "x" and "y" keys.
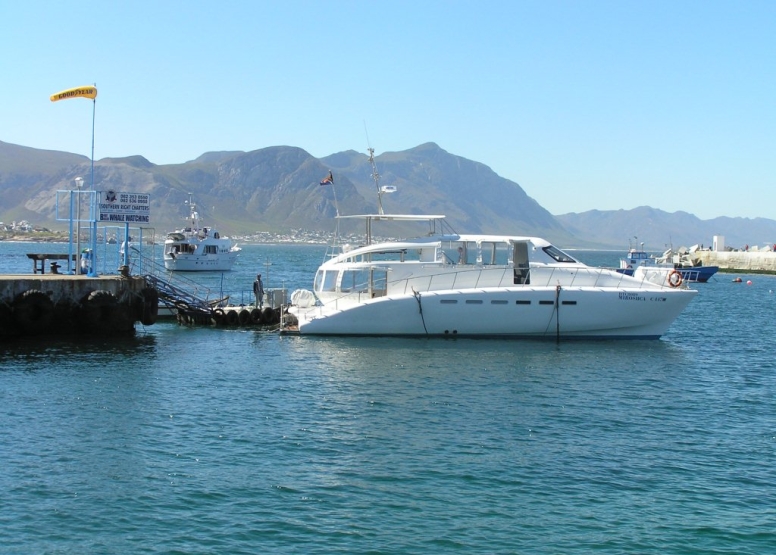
{"x": 199, "y": 440}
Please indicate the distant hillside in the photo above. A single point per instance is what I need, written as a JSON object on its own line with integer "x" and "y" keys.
{"x": 432, "y": 181}
{"x": 660, "y": 230}
{"x": 276, "y": 189}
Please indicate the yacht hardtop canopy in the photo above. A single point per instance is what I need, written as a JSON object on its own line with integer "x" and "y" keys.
{"x": 395, "y": 217}
{"x": 478, "y": 238}
{"x": 470, "y": 238}
{"x": 432, "y": 220}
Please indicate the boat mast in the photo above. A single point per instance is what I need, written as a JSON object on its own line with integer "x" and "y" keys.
{"x": 376, "y": 179}
{"x": 193, "y": 214}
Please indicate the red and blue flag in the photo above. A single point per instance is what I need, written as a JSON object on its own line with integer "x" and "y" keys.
{"x": 328, "y": 180}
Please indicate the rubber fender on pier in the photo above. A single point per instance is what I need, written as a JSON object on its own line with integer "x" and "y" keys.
{"x": 256, "y": 316}
{"x": 270, "y": 316}
{"x": 291, "y": 320}
{"x": 244, "y": 317}
{"x": 33, "y": 311}
{"x": 231, "y": 318}
{"x": 149, "y": 310}
{"x": 99, "y": 311}
{"x": 6, "y": 320}
{"x": 219, "y": 316}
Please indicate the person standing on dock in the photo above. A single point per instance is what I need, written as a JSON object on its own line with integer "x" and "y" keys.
{"x": 258, "y": 290}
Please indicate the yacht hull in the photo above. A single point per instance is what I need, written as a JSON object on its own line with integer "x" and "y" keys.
{"x": 504, "y": 312}
{"x": 700, "y": 274}
{"x": 200, "y": 263}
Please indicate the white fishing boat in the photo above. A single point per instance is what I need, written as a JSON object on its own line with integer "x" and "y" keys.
{"x": 684, "y": 261}
{"x": 455, "y": 285}
{"x": 196, "y": 248}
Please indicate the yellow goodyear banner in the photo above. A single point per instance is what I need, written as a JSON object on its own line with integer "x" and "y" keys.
{"x": 85, "y": 92}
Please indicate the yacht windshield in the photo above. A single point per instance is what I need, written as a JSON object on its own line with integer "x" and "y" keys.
{"x": 558, "y": 254}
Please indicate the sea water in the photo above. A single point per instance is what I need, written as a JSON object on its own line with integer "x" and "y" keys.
{"x": 215, "y": 440}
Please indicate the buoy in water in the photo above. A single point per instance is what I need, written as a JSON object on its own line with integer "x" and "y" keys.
{"x": 749, "y": 282}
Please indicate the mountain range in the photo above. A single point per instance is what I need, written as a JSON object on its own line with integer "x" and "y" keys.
{"x": 276, "y": 189}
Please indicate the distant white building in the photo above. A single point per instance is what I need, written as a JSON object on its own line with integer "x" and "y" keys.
{"x": 23, "y": 225}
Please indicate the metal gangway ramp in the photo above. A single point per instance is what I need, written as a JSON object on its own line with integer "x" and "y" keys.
{"x": 176, "y": 297}
{"x": 176, "y": 292}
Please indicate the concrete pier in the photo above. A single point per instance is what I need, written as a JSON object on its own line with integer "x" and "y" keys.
{"x": 57, "y": 304}
{"x": 739, "y": 261}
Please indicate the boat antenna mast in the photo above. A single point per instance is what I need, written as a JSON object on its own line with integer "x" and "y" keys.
{"x": 376, "y": 179}
{"x": 193, "y": 216}
{"x": 375, "y": 175}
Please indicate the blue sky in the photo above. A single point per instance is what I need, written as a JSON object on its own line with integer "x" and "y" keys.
{"x": 585, "y": 104}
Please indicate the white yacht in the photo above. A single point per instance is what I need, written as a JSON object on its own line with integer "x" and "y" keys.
{"x": 196, "y": 249}
{"x": 446, "y": 284}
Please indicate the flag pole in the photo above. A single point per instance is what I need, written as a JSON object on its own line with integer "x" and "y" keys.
{"x": 336, "y": 204}
{"x": 94, "y": 113}
{"x": 93, "y": 203}
{"x": 329, "y": 180}
{"x": 84, "y": 92}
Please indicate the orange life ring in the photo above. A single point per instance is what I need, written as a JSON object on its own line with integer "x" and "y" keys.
{"x": 675, "y": 278}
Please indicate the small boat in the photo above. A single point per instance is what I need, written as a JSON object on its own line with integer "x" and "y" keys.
{"x": 446, "y": 284}
{"x": 197, "y": 249}
{"x": 689, "y": 267}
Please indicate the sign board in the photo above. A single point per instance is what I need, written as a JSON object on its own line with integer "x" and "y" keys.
{"x": 116, "y": 207}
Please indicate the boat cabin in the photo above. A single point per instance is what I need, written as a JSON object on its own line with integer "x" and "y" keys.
{"x": 371, "y": 269}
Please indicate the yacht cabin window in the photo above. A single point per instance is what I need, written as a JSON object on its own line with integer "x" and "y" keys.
{"x": 401, "y": 255}
{"x": 558, "y": 254}
{"x": 325, "y": 280}
{"x": 488, "y": 253}
{"x": 355, "y": 280}
{"x": 379, "y": 282}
